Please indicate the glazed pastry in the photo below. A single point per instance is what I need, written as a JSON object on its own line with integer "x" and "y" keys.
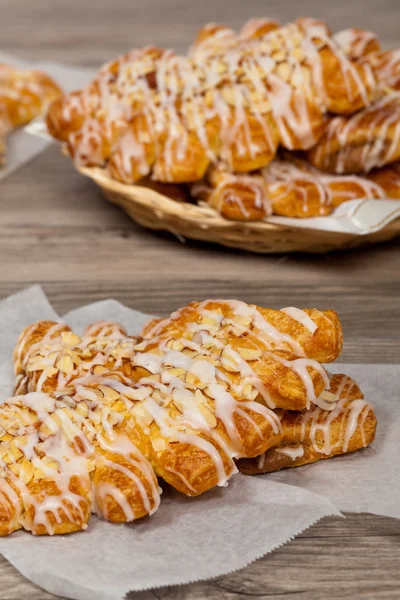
{"x": 288, "y": 346}
{"x": 362, "y": 142}
{"x": 342, "y": 422}
{"x": 357, "y": 43}
{"x": 200, "y": 454}
{"x": 257, "y": 28}
{"x": 290, "y": 187}
{"x": 199, "y": 407}
{"x": 386, "y": 68}
{"x": 63, "y": 458}
{"x": 23, "y": 96}
{"x": 98, "y": 416}
{"x": 388, "y": 178}
{"x": 234, "y": 99}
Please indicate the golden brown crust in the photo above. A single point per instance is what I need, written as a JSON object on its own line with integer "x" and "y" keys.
{"x": 233, "y": 99}
{"x": 196, "y": 393}
{"x": 357, "y": 43}
{"x": 290, "y": 187}
{"x": 359, "y": 143}
{"x": 275, "y": 336}
{"x": 386, "y": 68}
{"x": 258, "y": 28}
{"x": 388, "y": 178}
{"x": 319, "y": 434}
{"x": 24, "y": 95}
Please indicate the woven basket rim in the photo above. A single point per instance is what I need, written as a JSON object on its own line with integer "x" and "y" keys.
{"x": 154, "y": 210}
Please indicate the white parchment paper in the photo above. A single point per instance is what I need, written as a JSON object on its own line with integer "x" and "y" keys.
{"x": 22, "y": 146}
{"x": 223, "y": 530}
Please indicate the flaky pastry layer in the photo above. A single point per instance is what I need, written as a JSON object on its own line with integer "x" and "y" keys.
{"x": 344, "y": 424}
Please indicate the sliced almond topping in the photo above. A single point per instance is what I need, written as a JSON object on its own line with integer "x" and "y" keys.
{"x": 284, "y": 71}
{"x": 229, "y": 361}
{"x": 38, "y": 474}
{"x": 157, "y": 397}
{"x": 249, "y": 353}
{"x": 328, "y": 397}
{"x": 82, "y": 409}
{"x": 114, "y": 418}
{"x": 26, "y": 472}
{"x": 175, "y": 345}
{"x": 298, "y": 53}
{"x": 15, "y": 468}
{"x": 278, "y": 55}
{"x": 15, "y": 451}
{"x": 174, "y": 372}
{"x": 190, "y": 353}
{"x": 138, "y": 393}
{"x": 208, "y": 415}
{"x": 143, "y": 415}
{"x": 192, "y": 379}
{"x": 181, "y": 397}
{"x": 158, "y": 444}
{"x": 119, "y": 406}
{"x": 36, "y": 365}
{"x": 65, "y": 364}
{"x": 156, "y": 377}
{"x": 249, "y": 392}
{"x": 99, "y": 370}
{"x": 70, "y": 338}
{"x": 109, "y": 393}
{"x": 209, "y": 321}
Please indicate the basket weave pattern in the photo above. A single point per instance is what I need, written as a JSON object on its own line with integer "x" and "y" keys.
{"x": 156, "y": 211}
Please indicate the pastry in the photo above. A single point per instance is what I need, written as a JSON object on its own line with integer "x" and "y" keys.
{"x": 342, "y": 423}
{"x": 357, "y": 43}
{"x": 386, "y": 68}
{"x": 388, "y": 178}
{"x": 237, "y": 424}
{"x": 361, "y": 142}
{"x": 99, "y": 416}
{"x": 234, "y": 99}
{"x": 290, "y": 187}
{"x": 63, "y": 458}
{"x": 23, "y": 96}
{"x": 288, "y": 346}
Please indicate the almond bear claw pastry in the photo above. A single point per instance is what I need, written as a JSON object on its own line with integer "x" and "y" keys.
{"x": 361, "y": 142}
{"x": 342, "y": 422}
{"x": 23, "y": 96}
{"x": 233, "y": 99}
{"x": 98, "y": 417}
{"x": 288, "y": 186}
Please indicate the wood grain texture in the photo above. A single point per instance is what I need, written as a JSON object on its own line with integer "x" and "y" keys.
{"x": 56, "y": 229}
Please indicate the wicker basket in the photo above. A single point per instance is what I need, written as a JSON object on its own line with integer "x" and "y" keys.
{"x": 156, "y": 211}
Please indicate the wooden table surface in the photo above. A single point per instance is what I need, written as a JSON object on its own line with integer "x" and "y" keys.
{"x": 56, "y": 229}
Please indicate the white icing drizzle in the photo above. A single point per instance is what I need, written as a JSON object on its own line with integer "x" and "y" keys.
{"x": 292, "y": 452}
{"x": 381, "y": 143}
{"x": 196, "y": 389}
{"x": 288, "y": 187}
{"x": 225, "y": 84}
{"x": 63, "y": 448}
{"x": 302, "y": 317}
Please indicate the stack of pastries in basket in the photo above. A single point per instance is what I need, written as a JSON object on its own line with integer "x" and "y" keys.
{"x": 277, "y": 119}
{"x": 216, "y": 387}
{"x": 24, "y": 94}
